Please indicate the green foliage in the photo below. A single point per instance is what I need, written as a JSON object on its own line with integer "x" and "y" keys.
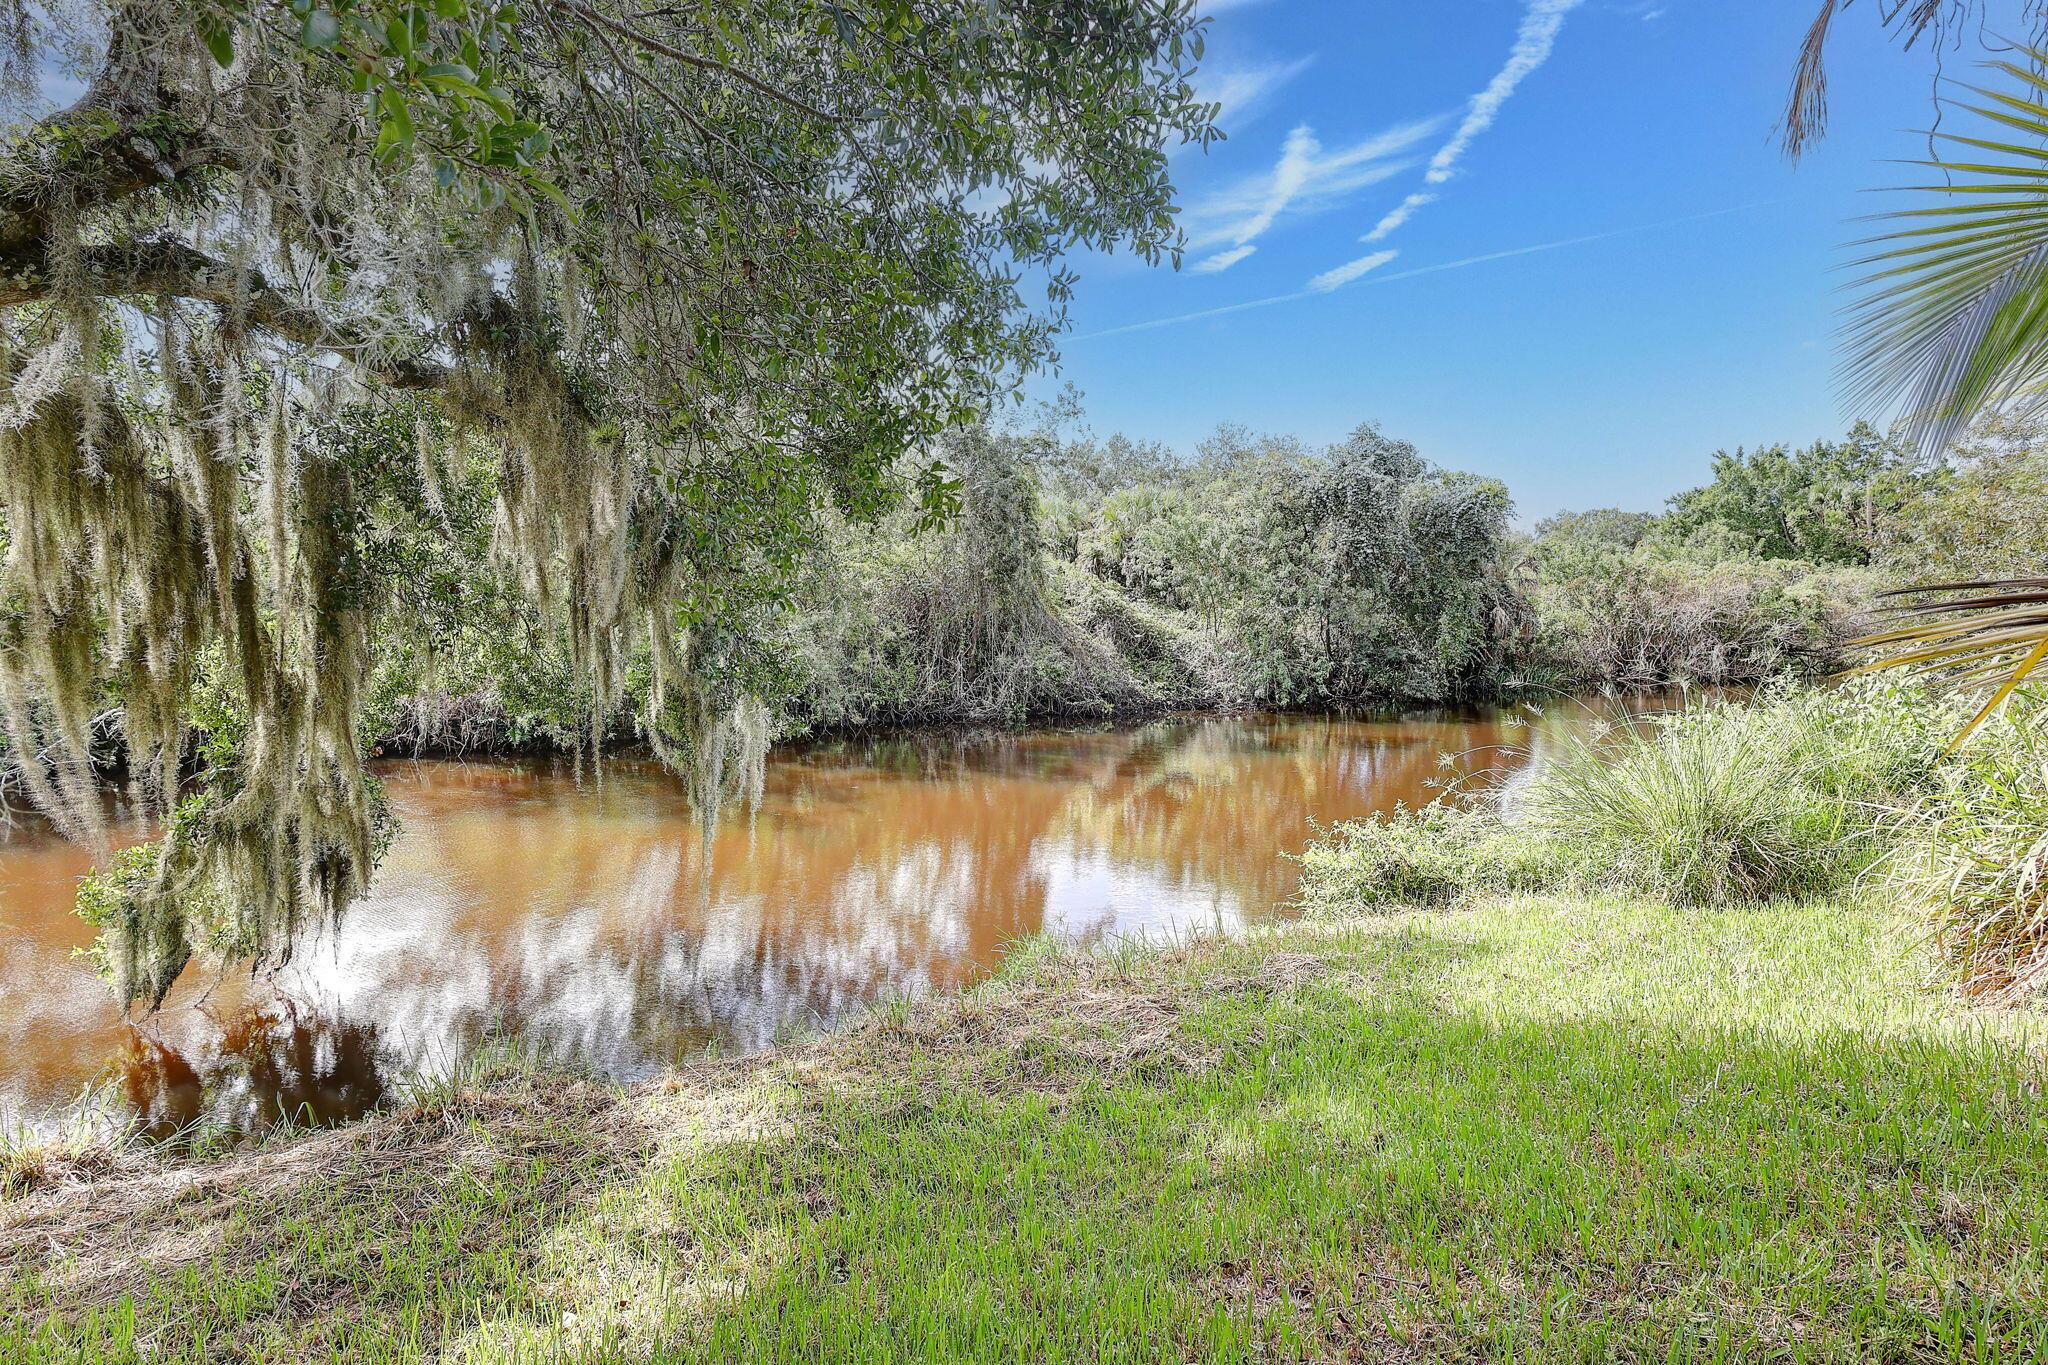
{"x": 1085, "y": 577}
{"x": 1655, "y": 612}
{"x": 1984, "y": 514}
{"x": 1782, "y": 795}
{"x": 1764, "y": 570}
{"x": 685, "y": 281}
{"x": 1606, "y": 526}
{"x": 1358, "y": 573}
{"x": 1082, "y": 578}
{"x": 1802, "y": 791}
{"x": 1973, "y": 856}
{"x": 901, "y": 624}
{"x": 1704, "y": 811}
{"x": 431, "y": 77}
{"x": 1950, "y": 324}
{"x": 1822, "y": 504}
{"x": 1434, "y": 856}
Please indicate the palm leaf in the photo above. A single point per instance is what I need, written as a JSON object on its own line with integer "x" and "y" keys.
{"x": 1952, "y": 321}
{"x": 1967, "y": 634}
{"x": 1953, "y": 317}
{"x": 1937, "y": 21}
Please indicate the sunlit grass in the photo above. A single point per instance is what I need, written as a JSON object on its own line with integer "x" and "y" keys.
{"x": 1538, "y": 1128}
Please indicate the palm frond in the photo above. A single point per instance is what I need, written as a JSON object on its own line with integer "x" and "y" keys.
{"x": 1953, "y": 317}
{"x": 1953, "y": 320}
{"x": 1806, "y": 111}
{"x": 1967, "y": 634}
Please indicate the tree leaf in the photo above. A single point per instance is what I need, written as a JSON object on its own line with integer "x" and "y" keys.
{"x": 321, "y": 30}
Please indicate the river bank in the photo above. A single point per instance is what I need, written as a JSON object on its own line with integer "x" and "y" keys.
{"x": 1547, "y": 1127}
{"x": 591, "y": 916}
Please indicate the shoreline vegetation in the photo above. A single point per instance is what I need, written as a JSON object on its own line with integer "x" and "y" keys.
{"x": 1070, "y": 578}
{"x": 1544, "y": 1126}
{"x": 1667, "y": 1060}
{"x": 1084, "y": 579}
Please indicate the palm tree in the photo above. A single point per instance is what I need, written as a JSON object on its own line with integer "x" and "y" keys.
{"x": 1952, "y": 321}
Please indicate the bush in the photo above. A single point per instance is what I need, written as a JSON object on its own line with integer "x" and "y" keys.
{"x": 1652, "y": 614}
{"x": 1973, "y": 857}
{"x": 1871, "y": 743}
{"x": 1702, "y": 811}
{"x": 1433, "y": 856}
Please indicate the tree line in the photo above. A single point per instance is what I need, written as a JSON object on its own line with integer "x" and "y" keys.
{"x": 1085, "y": 577}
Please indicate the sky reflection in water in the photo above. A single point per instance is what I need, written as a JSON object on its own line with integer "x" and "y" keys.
{"x": 594, "y": 922}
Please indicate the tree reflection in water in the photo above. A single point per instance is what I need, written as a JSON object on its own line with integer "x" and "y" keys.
{"x": 280, "y": 1064}
{"x": 594, "y": 922}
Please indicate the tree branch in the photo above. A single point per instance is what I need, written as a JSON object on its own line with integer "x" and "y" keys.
{"x": 650, "y": 43}
{"x": 93, "y": 153}
{"x": 170, "y": 268}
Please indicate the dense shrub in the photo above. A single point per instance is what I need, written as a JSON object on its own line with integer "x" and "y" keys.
{"x": 1972, "y": 856}
{"x": 1433, "y": 856}
{"x": 1084, "y": 579}
{"x": 1654, "y": 613}
{"x": 1787, "y": 795}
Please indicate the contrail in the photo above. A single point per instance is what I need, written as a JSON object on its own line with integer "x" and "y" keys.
{"x": 1533, "y": 44}
{"x": 1299, "y": 294}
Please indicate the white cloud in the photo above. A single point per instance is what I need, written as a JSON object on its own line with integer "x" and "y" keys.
{"x": 1312, "y": 291}
{"x": 1533, "y": 44}
{"x": 1306, "y": 178}
{"x": 1225, "y": 6}
{"x": 1349, "y": 271}
{"x": 1241, "y": 91}
{"x": 1223, "y": 260}
{"x": 1398, "y": 215}
{"x": 1290, "y": 174}
{"x": 1534, "y": 41}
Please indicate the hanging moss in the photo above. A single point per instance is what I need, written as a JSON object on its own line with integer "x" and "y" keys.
{"x": 686, "y": 315}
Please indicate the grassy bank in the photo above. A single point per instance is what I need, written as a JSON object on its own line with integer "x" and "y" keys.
{"x": 1535, "y": 1127}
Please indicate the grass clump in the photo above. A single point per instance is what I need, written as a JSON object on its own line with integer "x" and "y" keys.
{"x": 1789, "y": 794}
{"x": 1782, "y": 796}
{"x": 1972, "y": 857}
{"x": 1706, "y": 811}
{"x": 1432, "y": 856}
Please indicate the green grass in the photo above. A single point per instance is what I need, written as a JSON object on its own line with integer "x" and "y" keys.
{"x": 1532, "y": 1129}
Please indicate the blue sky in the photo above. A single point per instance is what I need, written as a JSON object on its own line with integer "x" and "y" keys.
{"x": 1693, "y": 307}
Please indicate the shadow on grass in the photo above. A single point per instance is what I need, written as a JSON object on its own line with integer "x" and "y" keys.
{"x": 1225, "y": 1151}
{"x": 383, "y": 1232}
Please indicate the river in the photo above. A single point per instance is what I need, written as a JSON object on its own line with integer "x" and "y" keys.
{"x": 592, "y": 920}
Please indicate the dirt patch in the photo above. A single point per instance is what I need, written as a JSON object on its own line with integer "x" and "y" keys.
{"x": 1089, "y": 1019}
{"x": 86, "y": 1245}
{"x": 1369, "y": 1312}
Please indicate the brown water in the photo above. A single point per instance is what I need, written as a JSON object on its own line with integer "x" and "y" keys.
{"x": 593, "y": 922}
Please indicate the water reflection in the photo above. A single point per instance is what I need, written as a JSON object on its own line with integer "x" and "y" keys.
{"x": 594, "y": 921}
